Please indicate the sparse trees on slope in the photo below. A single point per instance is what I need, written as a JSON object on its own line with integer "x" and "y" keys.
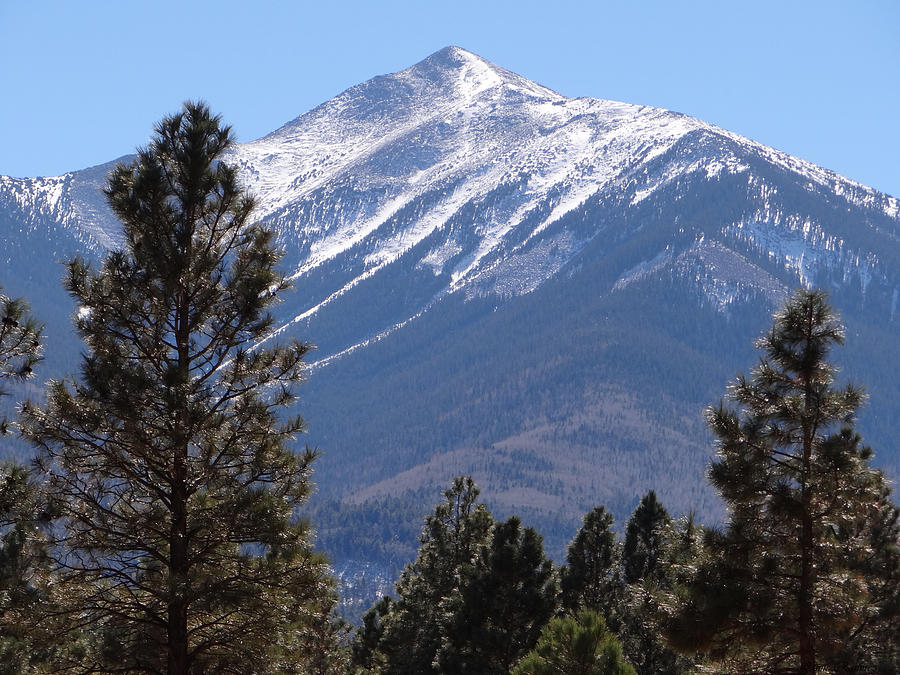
{"x": 170, "y": 461}
{"x": 803, "y": 571}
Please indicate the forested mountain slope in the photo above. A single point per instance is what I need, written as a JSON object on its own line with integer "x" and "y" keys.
{"x": 542, "y": 291}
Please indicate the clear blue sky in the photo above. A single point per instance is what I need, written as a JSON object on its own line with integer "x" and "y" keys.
{"x": 83, "y": 82}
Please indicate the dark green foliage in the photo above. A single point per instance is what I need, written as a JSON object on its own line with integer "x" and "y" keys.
{"x": 24, "y": 571}
{"x": 474, "y": 599}
{"x": 644, "y": 539}
{"x": 659, "y": 550}
{"x": 575, "y": 646}
{"x": 20, "y": 339}
{"x": 365, "y": 651}
{"x": 20, "y": 344}
{"x": 23, "y": 513}
{"x": 168, "y": 457}
{"x": 625, "y": 584}
{"x": 412, "y": 628}
{"x": 589, "y": 578}
{"x": 645, "y": 573}
{"x": 503, "y": 605}
{"x": 802, "y": 577}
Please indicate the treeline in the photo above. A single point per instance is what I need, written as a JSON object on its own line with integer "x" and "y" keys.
{"x": 481, "y": 596}
{"x": 158, "y": 529}
{"x": 803, "y": 578}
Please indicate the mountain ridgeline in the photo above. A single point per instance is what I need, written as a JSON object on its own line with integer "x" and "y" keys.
{"x": 540, "y": 291}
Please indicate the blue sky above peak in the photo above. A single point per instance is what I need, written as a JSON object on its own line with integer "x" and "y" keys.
{"x": 84, "y": 82}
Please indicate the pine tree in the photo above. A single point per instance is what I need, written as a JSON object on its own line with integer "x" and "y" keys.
{"x": 575, "y": 646}
{"x": 510, "y": 593}
{"x": 413, "y": 627}
{"x": 644, "y": 538}
{"x": 474, "y": 600}
{"x": 170, "y": 461}
{"x": 589, "y": 580}
{"x": 23, "y": 570}
{"x": 803, "y": 571}
{"x": 365, "y": 649}
{"x": 652, "y": 549}
{"x": 23, "y": 512}
{"x": 20, "y": 344}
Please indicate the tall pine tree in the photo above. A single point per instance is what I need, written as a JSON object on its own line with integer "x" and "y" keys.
{"x": 23, "y": 513}
{"x": 590, "y": 579}
{"x": 169, "y": 457}
{"x": 503, "y": 603}
{"x": 803, "y": 577}
{"x": 406, "y": 635}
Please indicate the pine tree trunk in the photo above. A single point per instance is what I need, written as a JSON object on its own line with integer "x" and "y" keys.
{"x": 178, "y": 552}
{"x": 807, "y": 646}
{"x": 807, "y": 548}
{"x": 178, "y": 634}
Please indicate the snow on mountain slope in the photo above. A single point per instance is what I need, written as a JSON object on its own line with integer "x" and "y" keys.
{"x": 391, "y": 167}
{"x": 74, "y": 201}
{"x": 466, "y": 170}
{"x": 539, "y": 290}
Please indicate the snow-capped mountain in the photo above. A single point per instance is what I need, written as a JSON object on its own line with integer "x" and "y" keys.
{"x": 467, "y": 168}
{"x": 539, "y": 290}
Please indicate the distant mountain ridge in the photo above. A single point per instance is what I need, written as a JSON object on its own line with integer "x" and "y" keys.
{"x": 539, "y": 290}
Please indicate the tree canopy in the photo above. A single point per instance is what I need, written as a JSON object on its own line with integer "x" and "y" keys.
{"x": 23, "y": 513}
{"x": 20, "y": 344}
{"x": 578, "y": 645}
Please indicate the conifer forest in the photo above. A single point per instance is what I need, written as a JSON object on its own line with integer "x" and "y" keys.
{"x": 159, "y": 527}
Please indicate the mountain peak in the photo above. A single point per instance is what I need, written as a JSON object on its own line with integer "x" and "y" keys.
{"x": 452, "y": 55}
{"x": 451, "y": 78}
{"x": 461, "y": 70}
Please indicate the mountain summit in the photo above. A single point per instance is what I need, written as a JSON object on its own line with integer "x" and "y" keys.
{"x": 542, "y": 291}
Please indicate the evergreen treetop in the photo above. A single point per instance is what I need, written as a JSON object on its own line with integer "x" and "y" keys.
{"x": 589, "y": 580}
{"x": 414, "y": 626}
{"x": 645, "y": 536}
{"x": 578, "y": 645}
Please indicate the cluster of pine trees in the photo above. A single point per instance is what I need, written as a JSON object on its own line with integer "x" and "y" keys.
{"x": 158, "y": 532}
